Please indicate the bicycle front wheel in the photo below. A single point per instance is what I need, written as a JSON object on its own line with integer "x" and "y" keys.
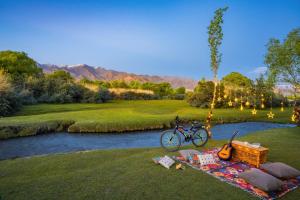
{"x": 170, "y": 140}
{"x": 200, "y": 137}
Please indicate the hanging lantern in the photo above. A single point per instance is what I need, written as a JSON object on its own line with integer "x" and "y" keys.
{"x": 225, "y": 96}
{"x": 247, "y": 103}
{"x": 242, "y": 107}
{"x": 254, "y": 111}
{"x": 236, "y": 99}
{"x": 262, "y": 106}
{"x": 293, "y": 118}
{"x": 271, "y": 115}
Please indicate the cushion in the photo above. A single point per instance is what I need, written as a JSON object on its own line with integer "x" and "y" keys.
{"x": 280, "y": 170}
{"x": 188, "y": 153}
{"x": 261, "y": 180}
{"x": 206, "y": 159}
{"x": 166, "y": 161}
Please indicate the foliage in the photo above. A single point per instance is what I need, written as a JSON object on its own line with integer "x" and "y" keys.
{"x": 119, "y": 84}
{"x": 134, "y": 96}
{"x": 34, "y": 128}
{"x": 61, "y": 75}
{"x": 283, "y": 59}
{"x": 203, "y": 94}
{"x": 9, "y": 101}
{"x": 18, "y": 65}
{"x": 180, "y": 90}
{"x": 215, "y": 36}
{"x": 5, "y": 85}
{"x": 161, "y": 90}
{"x": 134, "y": 85}
{"x": 236, "y": 80}
{"x": 103, "y": 95}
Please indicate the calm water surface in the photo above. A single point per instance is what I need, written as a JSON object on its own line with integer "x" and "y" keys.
{"x": 65, "y": 142}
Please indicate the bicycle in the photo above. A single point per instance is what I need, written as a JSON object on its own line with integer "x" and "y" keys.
{"x": 171, "y": 139}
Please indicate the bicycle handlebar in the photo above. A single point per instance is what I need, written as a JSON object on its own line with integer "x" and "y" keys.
{"x": 177, "y": 120}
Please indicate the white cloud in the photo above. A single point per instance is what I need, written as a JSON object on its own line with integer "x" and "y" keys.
{"x": 259, "y": 70}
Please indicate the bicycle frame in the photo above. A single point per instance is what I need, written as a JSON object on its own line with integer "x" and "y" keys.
{"x": 187, "y": 132}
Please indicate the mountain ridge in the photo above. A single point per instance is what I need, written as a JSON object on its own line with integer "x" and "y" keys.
{"x": 80, "y": 71}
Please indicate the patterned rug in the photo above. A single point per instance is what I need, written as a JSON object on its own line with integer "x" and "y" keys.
{"x": 228, "y": 171}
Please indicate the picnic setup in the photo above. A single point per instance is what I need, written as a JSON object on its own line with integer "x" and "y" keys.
{"x": 238, "y": 163}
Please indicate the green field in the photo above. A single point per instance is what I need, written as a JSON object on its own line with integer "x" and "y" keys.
{"x": 119, "y": 116}
{"x": 131, "y": 174}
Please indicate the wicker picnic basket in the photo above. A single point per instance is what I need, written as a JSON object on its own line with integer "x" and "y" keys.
{"x": 246, "y": 153}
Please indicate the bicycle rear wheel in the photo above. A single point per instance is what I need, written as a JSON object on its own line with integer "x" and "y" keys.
{"x": 200, "y": 137}
{"x": 170, "y": 140}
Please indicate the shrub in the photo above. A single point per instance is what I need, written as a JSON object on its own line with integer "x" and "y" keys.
{"x": 103, "y": 95}
{"x": 9, "y": 101}
{"x": 34, "y": 128}
{"x": 202, "y": 95}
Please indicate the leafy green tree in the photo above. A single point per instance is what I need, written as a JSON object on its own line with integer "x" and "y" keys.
{"x": 215, "y": 37}
{"x": 134, "y": 84}
{"x": 148, "y": 86}
{"x": 283, "y": 60}
{"x": 104, "y": 84}
{"x": 180, "y": 90}
{"x": 18, "y": 65}
{"x": 163, "y": 89}
{"x": 203, "y": 94}
{"x": 61, "y": 75}
{"x": 103, "y": 95}
{"x": 118, "y": 84}
{"x": 9, "y": 101}
{"x": 236, "y": 80}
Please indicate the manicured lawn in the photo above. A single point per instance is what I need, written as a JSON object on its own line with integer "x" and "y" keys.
{"x": 131, "y": 174}
{"x": 124, "y": 112}
{"x": 119, "y": 116}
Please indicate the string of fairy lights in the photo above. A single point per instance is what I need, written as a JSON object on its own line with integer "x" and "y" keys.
{"x": 242, "y": 101}
{"x": 259, "y": 101}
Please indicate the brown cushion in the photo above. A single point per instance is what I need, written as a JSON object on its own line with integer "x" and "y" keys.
{"x": 280, "y": 170}
{"x": 261, "y": 180}
{"x": 187, "y": 152}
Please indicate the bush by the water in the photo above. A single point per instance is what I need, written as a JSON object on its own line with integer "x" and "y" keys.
{"x": 34, "y": 128}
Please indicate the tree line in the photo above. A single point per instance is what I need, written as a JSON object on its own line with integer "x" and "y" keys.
{"x": 23, "y": 82}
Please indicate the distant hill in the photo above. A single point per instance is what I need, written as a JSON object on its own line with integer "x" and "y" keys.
{"x": 99, "y": 73}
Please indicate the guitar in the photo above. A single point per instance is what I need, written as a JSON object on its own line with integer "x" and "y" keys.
{"x": 226, "y": 151}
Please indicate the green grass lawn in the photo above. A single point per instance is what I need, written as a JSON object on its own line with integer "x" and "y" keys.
{"x": 131, "y": 174}
{"x": 119, "y": 116}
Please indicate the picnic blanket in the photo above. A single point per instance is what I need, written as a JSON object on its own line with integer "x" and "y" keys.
{"x": 227, "y": 171}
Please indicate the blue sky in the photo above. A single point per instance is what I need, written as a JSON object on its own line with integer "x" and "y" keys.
{"x": 155, "y": 37}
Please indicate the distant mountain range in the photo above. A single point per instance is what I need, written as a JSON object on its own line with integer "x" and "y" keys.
{"x": 99, "y": 73}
